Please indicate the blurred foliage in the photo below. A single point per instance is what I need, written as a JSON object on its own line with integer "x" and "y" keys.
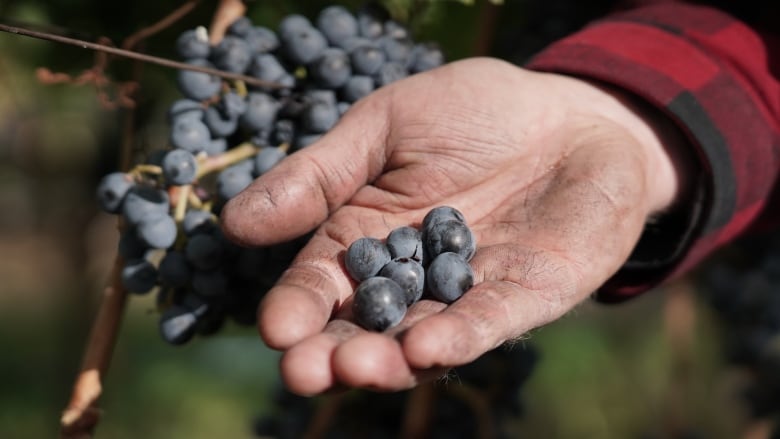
{"x": 606, "y": 372}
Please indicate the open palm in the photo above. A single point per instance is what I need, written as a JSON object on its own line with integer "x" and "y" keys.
{"x": 555, "y": 176}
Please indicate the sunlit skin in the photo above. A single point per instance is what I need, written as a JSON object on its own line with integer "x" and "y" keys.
{"x": 555, "y": 175}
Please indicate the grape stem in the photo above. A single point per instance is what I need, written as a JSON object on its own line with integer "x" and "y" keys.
{"x": 208, "y": 165}
{"x": 166, "y": 22}
{"x": 146, "y": 169}
{"x": 194, "y": 201}
{"x": 181, "y": 203}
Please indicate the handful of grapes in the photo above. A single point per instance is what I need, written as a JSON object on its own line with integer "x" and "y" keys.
{"x": 393, "y": 275}
{"x": 223, "y": 135}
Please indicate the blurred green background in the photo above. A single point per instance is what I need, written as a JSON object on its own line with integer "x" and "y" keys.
{"x": 637, "y": 370}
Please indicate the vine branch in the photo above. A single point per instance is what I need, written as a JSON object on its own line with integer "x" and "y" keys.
{"x": 136, "y": 55}
{"x": 162, "y": 24}
{"x": 81, "y": 416}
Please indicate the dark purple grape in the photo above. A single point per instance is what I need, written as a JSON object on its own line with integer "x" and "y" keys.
{"x": 232, "y": 54}
{"x": 440, "y": 214}
{"x": 291, "y": 107}
{"x": 174, "y": 270}
{"x": 260, "y": 112}
{"x": 353, "y": 43}
{"x": 240, "y": 27}
{"x": 365, "y": 257}
{"x": 337, "y": 24}
{"x": 395, "y": 29}
{"x": 139, "y": 276}
{"x": 232, "y": 104}
{"x": 131, "y": 246}
{"x": 197, "y": 85}
{"x": 304, "y": 45}
{"x": 190, "y": 134}
{"x": 198, "y": 221}
{"x": 304, "y": 140}
{"x": 332, "y": 69}
{"x": 389, "y": 73}
{"x": 319, "y": 117}
{"x": 396, "y": 49}
{"x": 405, "y": 242}
{"x": 267, "y": 68}
{"x": 112, "y": 189}
{"x": 371, "y": 21}
{"x": 209, "y": 284}
{"x": 449, "y": 236}
{"x": 357, "y": 87}
{"x": 367, "y": 59}
{"x": 320, "y": 95}
{"x": 216, "y": 146}
{"x": 157, "y": 230}
{"x": 379, "y": 304}
{"x": 230, "y": 249}
{"x": 261, "y": 40}
{"x": 204, "y": 251}
{"x": 193, "y": 43}
{"x": 449, "y": 276}
{"x": 425, "y": 57}
{"x": 267, "y": 158}
{"x": 142, "y": 201}
{"x": 232, "y": 180}
{"x": 211, "y": 322}
{"x": 261, "y": 138}
{"x": 220, "y": 125}
{"x": 185, "y": 108}
{"x": 293, "y": 23}
{"x": 283, "y": 132}
{"x": 250, "y": 263}
{"x": 247, "y": 165}
{"x": 178, "y": 323}
{"x": 408, "y": 274}
{"x": 287, "y": 82}
{"x": 179, "y": 167}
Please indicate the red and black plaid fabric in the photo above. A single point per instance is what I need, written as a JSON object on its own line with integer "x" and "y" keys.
{"x": 719, "y": 81}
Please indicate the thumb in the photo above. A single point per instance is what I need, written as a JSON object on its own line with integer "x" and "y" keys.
{"x": 300, "y": 192}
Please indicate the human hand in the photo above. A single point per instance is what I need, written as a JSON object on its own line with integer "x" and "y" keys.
{"x": 556, "y": 177}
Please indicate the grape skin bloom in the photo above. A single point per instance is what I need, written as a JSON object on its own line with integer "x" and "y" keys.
{"x": 449, "y": 276}
{"x": 379, "y": 303}
{"x": 365, "y": 257}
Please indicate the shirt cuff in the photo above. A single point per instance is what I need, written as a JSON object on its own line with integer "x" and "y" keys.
{"x": 681, "y": 60}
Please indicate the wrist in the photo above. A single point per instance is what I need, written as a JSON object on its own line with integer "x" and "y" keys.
{"x": 670, "y": 167}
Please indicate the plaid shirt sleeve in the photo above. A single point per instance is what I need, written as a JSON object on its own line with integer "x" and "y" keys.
{"x": 718, "y": 81}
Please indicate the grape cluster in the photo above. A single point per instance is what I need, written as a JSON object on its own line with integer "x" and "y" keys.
{"x": 394, "y": 274}
{"x": 482, "y": 399}
{"x": 223, "y": 135}
{"x": 742, "y": 287}
{"x": 317, "y": 71}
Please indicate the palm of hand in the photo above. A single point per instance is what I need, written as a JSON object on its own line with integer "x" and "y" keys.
{"x": 552, "y": 190}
